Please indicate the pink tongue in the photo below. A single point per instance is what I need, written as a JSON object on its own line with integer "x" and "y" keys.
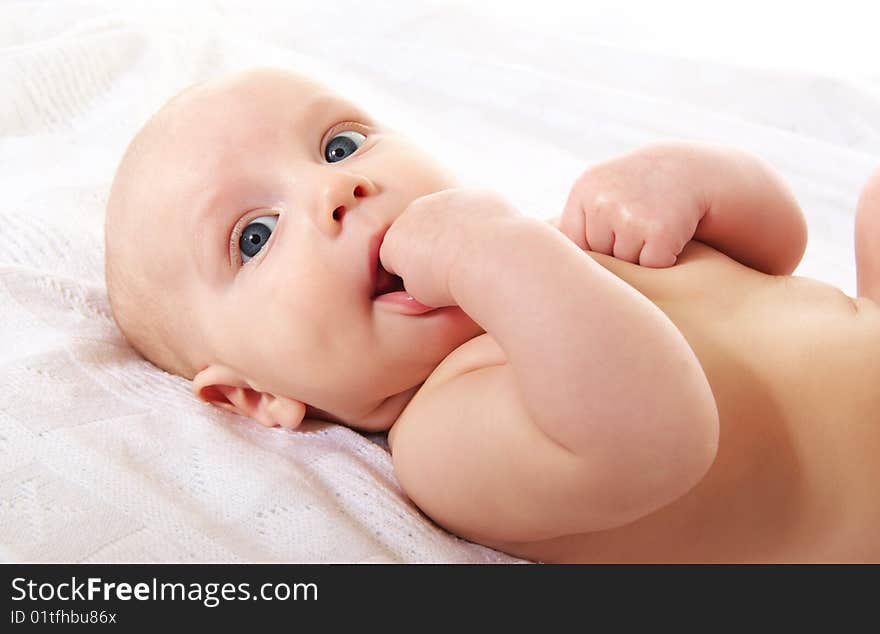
{"x": 402, "y": 297}
{"x": 418, "y": 304}
{"x": 388, "y": 285}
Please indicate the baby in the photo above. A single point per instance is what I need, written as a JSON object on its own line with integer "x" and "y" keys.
{"x": 638, "y": 380}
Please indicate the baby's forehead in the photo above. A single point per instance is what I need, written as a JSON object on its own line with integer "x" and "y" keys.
{"x": 258, "y": 86}
{"x": 241, "y": 112}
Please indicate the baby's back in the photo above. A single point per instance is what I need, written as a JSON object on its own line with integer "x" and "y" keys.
{"x": 793, "y": 364}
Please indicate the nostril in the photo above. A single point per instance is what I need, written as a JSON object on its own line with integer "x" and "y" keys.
{"x": 338, "y": 212}
{"x": 359, "y": 192}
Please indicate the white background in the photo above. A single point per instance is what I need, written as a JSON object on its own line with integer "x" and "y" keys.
{"x": 839, "y": 38}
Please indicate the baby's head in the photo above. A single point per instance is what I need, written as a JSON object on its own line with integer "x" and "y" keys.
{"x": 242, "y": 232}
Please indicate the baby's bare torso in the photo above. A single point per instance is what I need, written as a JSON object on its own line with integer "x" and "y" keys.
{"x": 794, "y": 365}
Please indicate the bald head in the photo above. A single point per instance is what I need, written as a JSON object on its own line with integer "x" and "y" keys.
{"x": 143, "y": 287}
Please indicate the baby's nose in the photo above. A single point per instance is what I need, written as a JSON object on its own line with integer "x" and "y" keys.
{"x": 342, "y": 194}
{"x": 359, "y": 192}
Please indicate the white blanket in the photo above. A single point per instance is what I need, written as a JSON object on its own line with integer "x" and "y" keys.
{"x": 105, "y": 458}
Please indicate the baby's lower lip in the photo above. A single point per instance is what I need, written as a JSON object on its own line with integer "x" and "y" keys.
{"x": 403, "y": 302}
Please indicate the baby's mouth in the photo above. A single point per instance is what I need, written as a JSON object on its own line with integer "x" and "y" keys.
{"x": 386, "y": 282}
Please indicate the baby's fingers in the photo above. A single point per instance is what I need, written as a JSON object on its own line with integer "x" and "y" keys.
{"x": 657, "y": 255}
{"x": 571, "y": 222}
{"x": 599, "y": 233}
{"x": 628, "y": 246}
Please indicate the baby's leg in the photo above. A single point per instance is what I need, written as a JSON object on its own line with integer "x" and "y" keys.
{"x": 868, "y": 240}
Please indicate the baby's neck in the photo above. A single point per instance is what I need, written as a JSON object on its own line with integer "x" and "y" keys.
{"x": 385, "y": 415}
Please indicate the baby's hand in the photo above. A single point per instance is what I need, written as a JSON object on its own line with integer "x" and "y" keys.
{"x": 427, "y": 238}
{"x": 642, "y": 207}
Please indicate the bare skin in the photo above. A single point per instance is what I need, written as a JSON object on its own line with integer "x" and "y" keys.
{"x": 766, "y": 447}
{"x": 293, "y": 333}
{"x": 794, "y": 369}
{"x": 793, "y": 365}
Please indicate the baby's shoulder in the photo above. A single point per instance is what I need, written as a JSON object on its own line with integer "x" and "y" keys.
{"x": 480, "y": 352}
{"x": 466, "y": 450}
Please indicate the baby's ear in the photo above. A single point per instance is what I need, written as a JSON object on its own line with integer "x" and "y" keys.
{"x": 224, "y": 388}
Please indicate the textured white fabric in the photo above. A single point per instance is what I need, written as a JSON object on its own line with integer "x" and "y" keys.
{"x": 105, "y": 458}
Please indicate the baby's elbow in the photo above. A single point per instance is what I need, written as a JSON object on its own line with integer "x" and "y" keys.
{"x": 667, "y": 463}
{"x": 699, "y": 454}
{"x": 789, "y": 233}
{"x": 694, "y": 451}
{"x": 787, "y": 256}
{"x": 686, "y": 433}
{"x": 693, "y": 445}
{"x": 678, "y": 475}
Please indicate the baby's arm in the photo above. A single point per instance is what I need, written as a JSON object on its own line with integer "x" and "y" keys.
{"x": 644, "y": 206}
{"x": 751, "y": 215}
{"x": 600, "y": 414}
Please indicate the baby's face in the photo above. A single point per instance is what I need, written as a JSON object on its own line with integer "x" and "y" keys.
{"x": 277, "y": 193}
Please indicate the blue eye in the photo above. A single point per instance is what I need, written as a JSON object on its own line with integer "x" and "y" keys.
{"x": 343, "y": 145}
{"x": 255, "y": 235}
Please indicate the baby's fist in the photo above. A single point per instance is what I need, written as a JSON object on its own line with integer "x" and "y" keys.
{"x": 642, "y": 207}
{"x": 435, "y": 233}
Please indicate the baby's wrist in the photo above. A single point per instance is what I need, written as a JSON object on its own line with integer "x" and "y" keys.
{"x": 487, "y": 243}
